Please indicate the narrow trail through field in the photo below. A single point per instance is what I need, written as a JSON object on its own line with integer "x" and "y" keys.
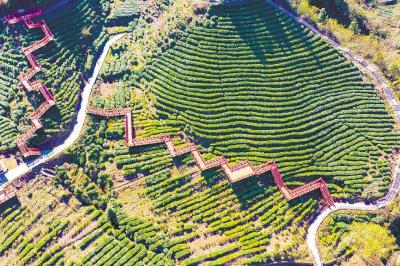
{"x": 312, "y": 232}
{"x": 25, "y": 168}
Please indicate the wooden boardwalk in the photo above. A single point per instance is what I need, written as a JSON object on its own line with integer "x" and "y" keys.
{"x": 26, "y": 17}
{"x": 235, "y": 173}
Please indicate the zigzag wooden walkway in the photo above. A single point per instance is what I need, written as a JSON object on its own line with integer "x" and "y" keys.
{"x": 26, "y": 17}
{"x": 238, "y": 172}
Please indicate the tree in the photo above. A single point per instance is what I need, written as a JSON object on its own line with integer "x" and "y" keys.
{"x": 394, "y": 69}
{"x": 379, "y": 60}
{"x": 370, "y": 241}
{"x": 65, "y": 197}
{"x": 112, "y": 216}
{"x": 82, "y": 158}
{"x": 61, "y": 172}
{"x": 102, "y": 180}
{"x": 323, "y": 15}
{"x": 354, "y": 27}
{"x": 86, "y": 32}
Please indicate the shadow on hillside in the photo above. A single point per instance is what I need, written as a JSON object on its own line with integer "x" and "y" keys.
{"x": 275, "y": 27}
{"x": 213, "y": 176}
{"x": 251, "y": 35}
{"x": 257, "y": 188}
{"x": 3, "y": 179}
{"x": 395, "y": 229}
{"x": 250, "y": 190}
{"x": 12, "y": 203}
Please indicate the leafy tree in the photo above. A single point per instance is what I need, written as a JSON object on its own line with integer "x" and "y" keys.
{"x": 82, "y": 158}
{"x": 323, "y": 15}
{"x": 354, "y": 27}
{"x": 370, "y": 240}
{"x": 61, "y": 173}
{"x": 102, "y": 180}
{"x": 65, "y": 197}
{"x": 380, "y": 61}
{"x": 112, "y": 216}
{"x": 394, "y": 69}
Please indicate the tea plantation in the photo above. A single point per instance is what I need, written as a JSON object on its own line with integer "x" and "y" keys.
{"x": 244, "y": 81}
{"x": 256, "y": 85}
{"x": 79, "y": 34}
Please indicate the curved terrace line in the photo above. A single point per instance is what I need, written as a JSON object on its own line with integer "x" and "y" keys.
{"x": 26, "y": 17}
{"x": 312, "y": 231}
{"x": 236, "y": 173}
{"x": 393, "y": 102}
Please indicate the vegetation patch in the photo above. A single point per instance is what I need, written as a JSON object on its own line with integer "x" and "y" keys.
{"x": 244, "y": 81}
{"x": 254, "y": 84}
{"x": 79, "y": 35}
{"x": 359, "y": 237}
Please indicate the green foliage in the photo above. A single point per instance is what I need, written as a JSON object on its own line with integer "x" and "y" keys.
{"x": 323, "y": 15}
{"x": 354, "y": 27}
{"x": 12, "y": 61}
{"x": 112, "y": 216}
{"x": 62, "y": 60}
{"x": 258, "y": 86}
{"x": 370, "y": 240}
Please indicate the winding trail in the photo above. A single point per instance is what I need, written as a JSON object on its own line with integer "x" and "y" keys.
{"x": 236, "y": 173}
{"x": 47, "y": 155}
{"x": 312, "y": 232}
{"x": 26, "y": 17}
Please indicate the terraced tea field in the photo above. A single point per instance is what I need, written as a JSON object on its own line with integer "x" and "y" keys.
{"x": 248, "y": 83}
{"x": 51, "y": 227}
{"x": 11, "y": 59}
{"x": 79, "y": 34}
{"x": 207, "y": 219}
{"x": 257, "y": 85}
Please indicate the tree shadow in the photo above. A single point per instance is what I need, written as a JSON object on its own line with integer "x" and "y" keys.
{"x": 12, "y": 203}
{"x": 213, "y": 176}
{"x": 250, "y": 190}
{"x": 274, "y": 24}
{"x": 394, "y": 228}
{"x": 339, "y": 10}
{"x": 3, "y": 179}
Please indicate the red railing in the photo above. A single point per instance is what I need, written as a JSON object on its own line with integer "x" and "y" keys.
{"x": 236, "y": 173}
{"x": 26, "y": 17}
{"x": 241, "y": 165}
{"x": 26, "y": 14}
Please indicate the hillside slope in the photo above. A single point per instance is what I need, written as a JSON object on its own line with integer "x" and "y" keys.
{"x": 78, "y": 29}
{"x": 258, "y": 86}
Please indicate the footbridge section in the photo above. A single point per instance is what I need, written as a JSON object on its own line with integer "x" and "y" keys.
{"x": 235, "y": 173}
